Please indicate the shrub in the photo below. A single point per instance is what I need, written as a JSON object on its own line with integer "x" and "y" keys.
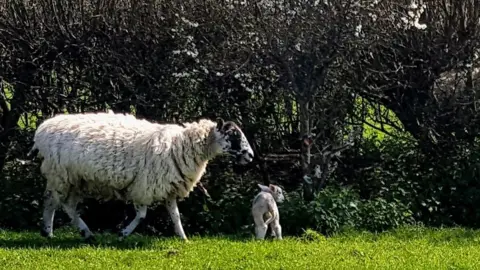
{"x": 379, "y": 214}
{"x": 335, "y": 209}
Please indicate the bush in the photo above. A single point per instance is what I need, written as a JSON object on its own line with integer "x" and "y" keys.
{"x": 379, "y": 215}
{"x": 335, "y": 209}
{"x": 396, "y": 185}
{"x": 295, "y": 214}
{"x": 20, "y": 194}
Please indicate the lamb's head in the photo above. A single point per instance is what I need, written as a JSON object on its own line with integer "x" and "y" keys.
{"x": 275, "y": 190}
{"x": 231, "y": 140}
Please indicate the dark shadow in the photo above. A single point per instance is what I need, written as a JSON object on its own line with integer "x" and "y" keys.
{"x": 238, "y": 238}
{"x": 70, "y": 241}
{"x": 66, "y": 238}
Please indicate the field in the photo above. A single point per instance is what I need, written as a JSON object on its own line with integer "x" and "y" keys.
{"x": 406, "y": 248}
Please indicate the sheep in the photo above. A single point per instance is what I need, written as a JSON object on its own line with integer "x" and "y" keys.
{"x": 265, "y": 206}
{"x": 109, "y": 156}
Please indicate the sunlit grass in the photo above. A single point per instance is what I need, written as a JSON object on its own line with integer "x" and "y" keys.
{"x": 408, "y": 248}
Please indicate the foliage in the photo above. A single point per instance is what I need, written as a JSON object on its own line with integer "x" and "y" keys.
{"x": 379, "y": 214}
{"x": 312, "y": 235}
{"x": 227, "y": 212}
{"x": 410, "y": 70}
{"x": 337, "y": 209}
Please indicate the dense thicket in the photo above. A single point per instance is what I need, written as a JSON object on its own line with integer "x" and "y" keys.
{"x": 365, "y": 111}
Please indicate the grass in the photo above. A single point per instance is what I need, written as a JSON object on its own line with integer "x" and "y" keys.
{"x": 407, "y": 248}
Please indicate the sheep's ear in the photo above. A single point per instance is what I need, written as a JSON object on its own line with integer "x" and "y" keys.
{"x": 263, "y": 188}
{"x": 272, "y": 187}
{"x": 220, "y": 123}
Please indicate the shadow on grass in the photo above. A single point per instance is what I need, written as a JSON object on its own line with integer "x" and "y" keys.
{"x": 32, "y": 240}
{"x": 227, "y": 237}
{"x": 68, "y": 239}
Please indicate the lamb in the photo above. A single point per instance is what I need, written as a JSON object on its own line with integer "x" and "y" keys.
{"x": 265, "y": 206}
{"x": 109, "y": 156}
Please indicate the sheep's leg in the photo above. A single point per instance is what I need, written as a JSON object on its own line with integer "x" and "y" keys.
{"x": 272, "y": 231}
{"x": 141, "y": 213}
{"x": 172, "y": 208}
{"x": 277, "y": 228}
{"x": 260, "y": 227}
{"x": 50, "y": 204}
{"x": 70, "y": 207}
{"x": 267, "y": 216}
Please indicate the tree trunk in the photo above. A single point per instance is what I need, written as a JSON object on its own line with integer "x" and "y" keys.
{"x": 305, "y": 149}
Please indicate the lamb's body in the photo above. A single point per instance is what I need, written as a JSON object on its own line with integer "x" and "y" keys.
{"x": 265, "y": 211}
{"x": 114, "y": 156}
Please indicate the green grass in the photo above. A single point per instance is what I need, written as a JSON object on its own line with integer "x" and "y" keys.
{"x": 408, "y": 248}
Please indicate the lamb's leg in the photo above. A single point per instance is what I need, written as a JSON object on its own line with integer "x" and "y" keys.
{"x": 171, "y": 205}
{"x": 141, "y": 213}
{"x": 277, "y": 228}
{"x": 267, "y": 216}
{"x": 70, "y": 207}
{"x": 272, "y": 231}
{"x": 260, "y": 226}
{"x": 50, "y": 204}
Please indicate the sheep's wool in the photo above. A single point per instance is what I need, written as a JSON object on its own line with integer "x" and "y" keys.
{"x": 107, "y": 156}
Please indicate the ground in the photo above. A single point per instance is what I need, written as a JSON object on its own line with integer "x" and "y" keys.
{"x": 406, "y": 248}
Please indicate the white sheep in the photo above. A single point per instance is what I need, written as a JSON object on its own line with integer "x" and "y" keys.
{"x": 114, "y": 156}
{"x": 265, "y": 206}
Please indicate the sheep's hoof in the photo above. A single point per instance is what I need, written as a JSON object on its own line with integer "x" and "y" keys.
{"x": 121, "y": 236}
{"x": 90, "y": 239}
{"x": 46, "y": 234}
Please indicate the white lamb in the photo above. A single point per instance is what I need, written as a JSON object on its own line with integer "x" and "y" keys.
{"x": 114, "y": 156}
{"x": 265, "y": 206}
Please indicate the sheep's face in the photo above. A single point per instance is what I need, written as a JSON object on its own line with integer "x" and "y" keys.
{"x": 276, "y": 191}
{"x": 233, "y": 141}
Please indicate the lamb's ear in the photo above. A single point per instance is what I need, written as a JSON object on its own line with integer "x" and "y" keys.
{"x": 220, "y": 123}
{"x": 272, "y": 187}
{"x": 263, "y": 188}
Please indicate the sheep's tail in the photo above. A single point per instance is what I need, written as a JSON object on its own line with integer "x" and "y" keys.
{"x": 30, "y": 156}
{"x": 33, "y": 152}
{"x": 203, "y": 189}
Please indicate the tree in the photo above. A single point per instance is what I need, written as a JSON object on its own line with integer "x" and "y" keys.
{"x": 406, "y": 51}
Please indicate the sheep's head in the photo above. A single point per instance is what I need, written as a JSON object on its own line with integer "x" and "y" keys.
{"x": 275, "y": 190}
{"x": 232, "y": 141}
